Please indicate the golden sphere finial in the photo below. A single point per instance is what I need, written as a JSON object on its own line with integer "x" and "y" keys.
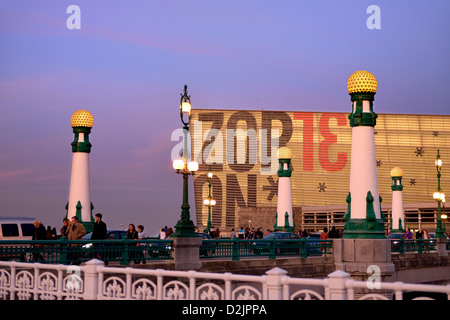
{"x": 362, "y": 81}
{"x": 396, "y": 172}
{"x": 82, "y": 118}
{"x": 284, "y": 153}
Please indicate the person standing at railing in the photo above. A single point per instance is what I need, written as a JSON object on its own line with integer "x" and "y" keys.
{"x": 141, "y": 235}
{"x": 100, "y": 229}
{"x": 408, "y": 234}
{"x": 323, "y": 236}
{"x": 162, "y": 234}
{"x": 65, "y": 228}
{"x": 333, "y": 234}
{"x": 241, "y": 233}
{"x": 419, "y": 233}
{"x": 99, "y": 233}
{"x": 132, "y": 234}
{"x": 76, "y": 232}
{"x": 39, "y": 233}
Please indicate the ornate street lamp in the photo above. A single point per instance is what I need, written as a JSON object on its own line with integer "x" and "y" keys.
{"x": 439, "y": 196}
{"x": 185, "y": 227}
{"x": 209, "y": 202}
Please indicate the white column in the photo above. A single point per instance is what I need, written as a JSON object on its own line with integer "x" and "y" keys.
{"x": 284, "y": 203}
{"x": 397, "y": 210}
{"x": 80, "y": 188}
{"x": 363, "y": 172}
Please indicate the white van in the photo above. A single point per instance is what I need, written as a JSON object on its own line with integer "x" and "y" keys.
{"x": 16, "y": 228}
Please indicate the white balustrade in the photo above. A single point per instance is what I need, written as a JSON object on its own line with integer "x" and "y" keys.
{"x": 94, "y": 281}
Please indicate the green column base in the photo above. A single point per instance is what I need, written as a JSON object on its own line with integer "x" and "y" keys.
{"x": 185, "y": 229}
{"x": 364, "y": 229}
{"x": 287, "y": 227}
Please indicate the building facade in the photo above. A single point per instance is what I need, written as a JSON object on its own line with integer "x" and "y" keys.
{"x": 241, "y": 148}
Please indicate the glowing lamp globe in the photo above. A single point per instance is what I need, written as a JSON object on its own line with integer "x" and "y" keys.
{"x": 178, "y": 164}
{"x": 362, "y": 82}
{"x": 82, "y": 118}
{"x": 193, "y": 166}
{"x": 284, "y": 153}
{"x": 185, "y": 107}
{"x": 397, "y": 172}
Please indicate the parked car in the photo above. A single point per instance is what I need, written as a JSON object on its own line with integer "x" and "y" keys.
{"x": 263, "y": 246}
{"x": 111, "y": 253}
{"x": 395, "y": 240}
{"x": 16, "y": 228}
{"x": 315, "y": 246}
{"x": 205, "y": 249}
{"x": 110, "y": 235}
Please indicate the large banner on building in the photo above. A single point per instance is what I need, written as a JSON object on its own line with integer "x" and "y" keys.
{"x": 241, "y": 146}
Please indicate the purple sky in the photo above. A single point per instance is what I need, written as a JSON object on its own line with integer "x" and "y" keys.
{"x": 129, "y": 62}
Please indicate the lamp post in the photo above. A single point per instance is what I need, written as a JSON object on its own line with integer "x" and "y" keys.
{"x": 209, "y": 202}
{"x": 185, "y": 227}
{"x": 444, "y": 217}
{"x": 439, "y": 196}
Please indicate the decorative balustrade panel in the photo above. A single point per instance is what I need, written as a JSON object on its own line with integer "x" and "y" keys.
{"x": 94, "y": 281}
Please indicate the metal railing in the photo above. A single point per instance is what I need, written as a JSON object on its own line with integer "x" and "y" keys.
{"x": 125, "y": 251}
{"x": 273, "y": 248}
{"x": 413, "y": 245}
{"x": 78, "y": 251}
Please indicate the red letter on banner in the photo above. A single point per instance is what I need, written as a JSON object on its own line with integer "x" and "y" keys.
{"x": 329, "y": 139}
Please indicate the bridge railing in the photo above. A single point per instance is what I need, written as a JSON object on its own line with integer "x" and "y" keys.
{"x": 126, "y": 251}
{"x": 273, "y": 248}
{"x": 413, "y": 245}
{"x": 79, "y": 251}
{"x": 94, "y": 281}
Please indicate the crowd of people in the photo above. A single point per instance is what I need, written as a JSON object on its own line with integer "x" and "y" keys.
{"x": 165, "y": 233}
{"x": 259, "y": 233}
{"x": 419, "y": 234}
{"x": 73, "y": 230}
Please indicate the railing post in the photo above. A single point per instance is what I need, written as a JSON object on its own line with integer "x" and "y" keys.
{"x": 419, "y": 245}
{"x": 91, "y": 279}
{"x": 441, "y": 247}
{"x": 125, "y": 254}
{"x": 402, "y": 246}
{"x": 272, "y": 249}
{"x": 303, "y": 249}
{"x": 336, "y": 286}
{"x": 235, "y": 247}
{"x": 274, "y": 285}
{"x": 63, "y": 250}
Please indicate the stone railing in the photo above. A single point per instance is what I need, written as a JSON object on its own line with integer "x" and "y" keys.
{"x": 94, "y": 281}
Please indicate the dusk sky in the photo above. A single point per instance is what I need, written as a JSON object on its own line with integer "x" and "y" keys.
{"x": 129, "y": 63}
